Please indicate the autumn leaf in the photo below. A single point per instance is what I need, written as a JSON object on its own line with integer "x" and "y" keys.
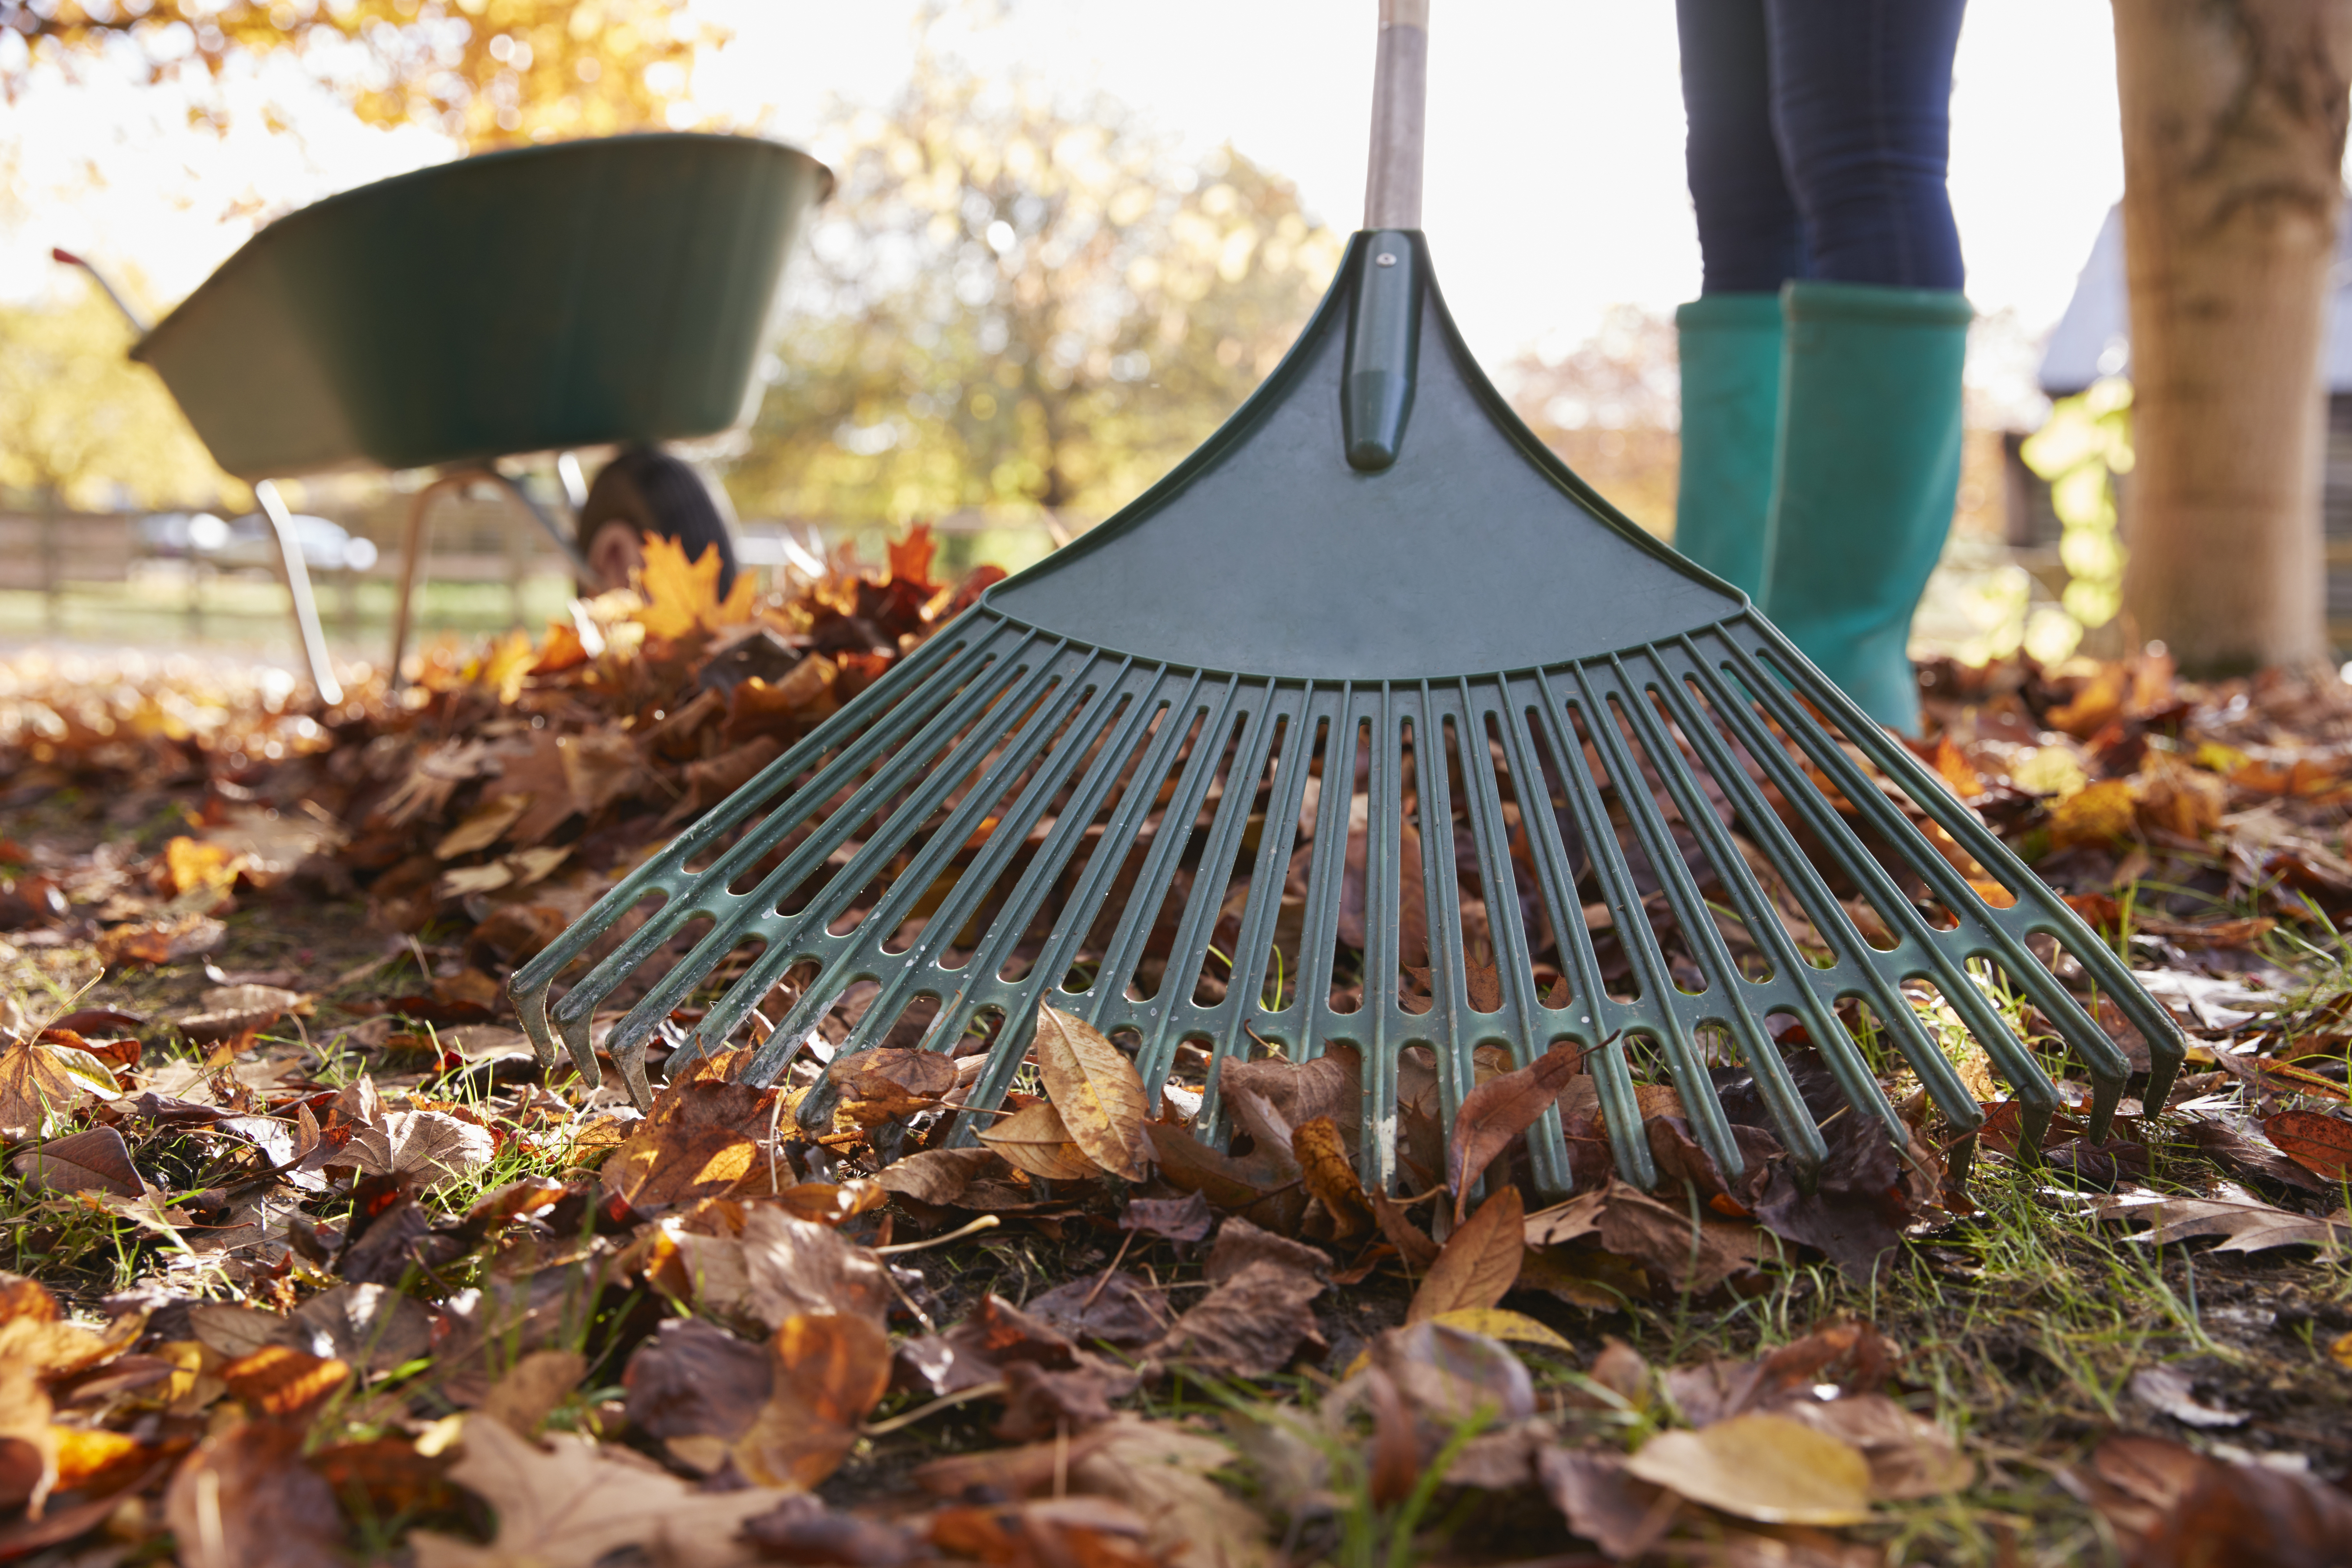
{"x": 682, "y": 596}
{"x": 830, "y": 1370}
{"x": 2318, "y": 1142}
{"x": 1499, "y": 1110}
{"x": 1323, "y": 1162}
{"x": 573, "y": 1506}
{"x": 940, "y": 1176}
{"x": 93, "y": 1160}
{"x": 191, "y": 865}
{"x": 1479, "y": 1262}
{"x": 2250, "y": 1227}
{"x": 35, "y": 1085}
{"x": 1496, "y": 1322}
{"x": 1094, "y": 1086}
{"x": 1033, "y": 1139}
{"x": 244, "y": 1499}
{"x": 428, "y": 1146}
{"x": 527, "y": 1391}
{"x": 231, "y": 1011}
{"x": 282, "y": 1383}
{"x": 1763, "y": 1466}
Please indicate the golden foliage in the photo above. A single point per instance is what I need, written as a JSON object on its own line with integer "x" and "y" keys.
{"x": 489, "y": 72}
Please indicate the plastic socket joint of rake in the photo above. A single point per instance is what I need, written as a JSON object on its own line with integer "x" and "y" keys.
{"x": 1472, "y": 599}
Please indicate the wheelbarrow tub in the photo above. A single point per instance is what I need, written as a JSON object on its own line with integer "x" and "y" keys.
{"x": 570, "y": 294}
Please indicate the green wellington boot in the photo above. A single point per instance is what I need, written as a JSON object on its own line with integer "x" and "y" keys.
{"x": 1868, "y": 469}
{"x": 1731, "y": 416}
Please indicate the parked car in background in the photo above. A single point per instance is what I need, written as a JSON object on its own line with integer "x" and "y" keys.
{"x": 246, "y": 541}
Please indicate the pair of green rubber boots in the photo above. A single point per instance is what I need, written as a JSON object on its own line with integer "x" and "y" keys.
{"x": 1821, "y": 455}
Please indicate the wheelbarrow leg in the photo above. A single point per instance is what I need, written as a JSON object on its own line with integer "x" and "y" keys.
{"x": 412, "y": 556}
{"x": 298, "y": 581}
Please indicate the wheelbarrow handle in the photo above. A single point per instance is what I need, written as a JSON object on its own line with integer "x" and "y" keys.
{"x": 138, "y": 322}
{"x": 1400, "y": 93}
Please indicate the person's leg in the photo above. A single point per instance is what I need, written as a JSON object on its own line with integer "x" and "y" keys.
{"x": 1869, "y": 455}
{"x": 1750, "y": 241}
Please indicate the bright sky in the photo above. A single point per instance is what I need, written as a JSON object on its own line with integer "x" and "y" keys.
{"x": 1555, "y": 175}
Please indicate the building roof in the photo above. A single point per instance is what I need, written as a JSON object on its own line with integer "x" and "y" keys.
{"x": 2093, "y": 339}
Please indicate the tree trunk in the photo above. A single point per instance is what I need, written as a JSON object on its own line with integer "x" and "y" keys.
{"x": 2233, "y": 123}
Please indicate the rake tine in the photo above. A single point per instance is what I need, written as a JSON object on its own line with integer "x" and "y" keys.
{"x": 1143, "y": 903}
{"x": 2036, "y": 1096}
{"x": 1791, "y": 1116}
{"x": 1033, "y": 719}
{"x": 664, "y": 873}
{"x": 1854, "y": 972}
{"x": 626, "y": 1045}
{"x": 868, "y": 960}
{"x": 1327, "y": 872}
{"x": 1547, "y": 1146}
{"x": 1607, "y": 1020}
{"x": 1665, "y": 1024}
{"x": 1116, "y": 740}
{"x": 1442, "y": 899}
{"x": 1383, "y": 894}
{"x": 1204, "y": 903}
{"x": 2041, "y": 910}
{"x": 1268, "y": 873}
{"x": 1851, "y": 953}
{"x": 2099, "y": 1054}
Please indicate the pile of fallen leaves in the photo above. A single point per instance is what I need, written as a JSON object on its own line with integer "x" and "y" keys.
{"x": 324, "y": 1265}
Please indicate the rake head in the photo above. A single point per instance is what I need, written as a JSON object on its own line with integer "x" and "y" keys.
{"x": 1336, "y": 737}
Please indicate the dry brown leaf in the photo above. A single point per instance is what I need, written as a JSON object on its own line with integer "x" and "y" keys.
{"x": 1094, "y": 1086}
{"x": 532, "y": 1388}
{"x": 426, "y": 1146}
{"x": 1694, "y": 1253}
{"x": 1251, "y": 1325}
{"x": 483, "y": 826}
{"x": 2172, "y": 1506}
{"x": 244, "y": 1499}
{"x": 231, "y": 1011}
{"x": 698, "y": 1388}
{"x": 940, "y": 1176}
{"x": 2250, "y": 1227}
{"x": 1499, "y": 1110}
{"x": 1034, "y": 1139}
{"x": 796, "y": 1266}
{"x": 575, "y": 1506}
{"x": 1761, "y": 1466}
{"x": 1479, "y": 1262}
{"x": 95, "y": 1159}
{"x": 1909, "y": 1456}
{"x": 696, "y": 1142}
{"x": 880, "y": 1085}
{"x": 1323, "y": 1163}
{"x": 2317, "y": 1142}
{"x": 829, "y": 1371}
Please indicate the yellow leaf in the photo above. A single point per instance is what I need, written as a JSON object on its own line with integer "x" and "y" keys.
{"x": 1760, "y": 1467}
{"x": 2339, "y": 1351}
{"x": 682, "y": 596}
{"x": 190, "y": 866}
{"x": 1496, "y": 1322}
{"x": 2099, "y": 814}
{"x": 1096, "y": 1091}
{"x": 503, "y": 666}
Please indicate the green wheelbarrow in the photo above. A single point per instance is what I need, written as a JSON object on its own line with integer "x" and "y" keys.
{"x": 591, "y": 293}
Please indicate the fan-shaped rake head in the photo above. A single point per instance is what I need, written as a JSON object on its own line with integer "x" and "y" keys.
{"x": 1335, "y": 738}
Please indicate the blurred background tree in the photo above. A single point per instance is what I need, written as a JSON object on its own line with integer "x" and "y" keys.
{"x": 486, "y": 72}
{"x": 82, "y": 425}
{"x": 1022, "y": 307}
{"x": 1610, "y": 408}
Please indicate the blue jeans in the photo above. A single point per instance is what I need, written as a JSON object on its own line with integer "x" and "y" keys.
{"x": 1820, "y": 132}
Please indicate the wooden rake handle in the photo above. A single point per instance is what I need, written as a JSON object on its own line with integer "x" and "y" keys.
{"x": 1399, "y": 94}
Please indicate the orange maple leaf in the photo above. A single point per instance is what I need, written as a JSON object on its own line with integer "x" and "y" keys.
{"x": 682, "y": 596}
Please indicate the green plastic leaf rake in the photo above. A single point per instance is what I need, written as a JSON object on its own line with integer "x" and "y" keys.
{"x": 1370, "y": 655}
